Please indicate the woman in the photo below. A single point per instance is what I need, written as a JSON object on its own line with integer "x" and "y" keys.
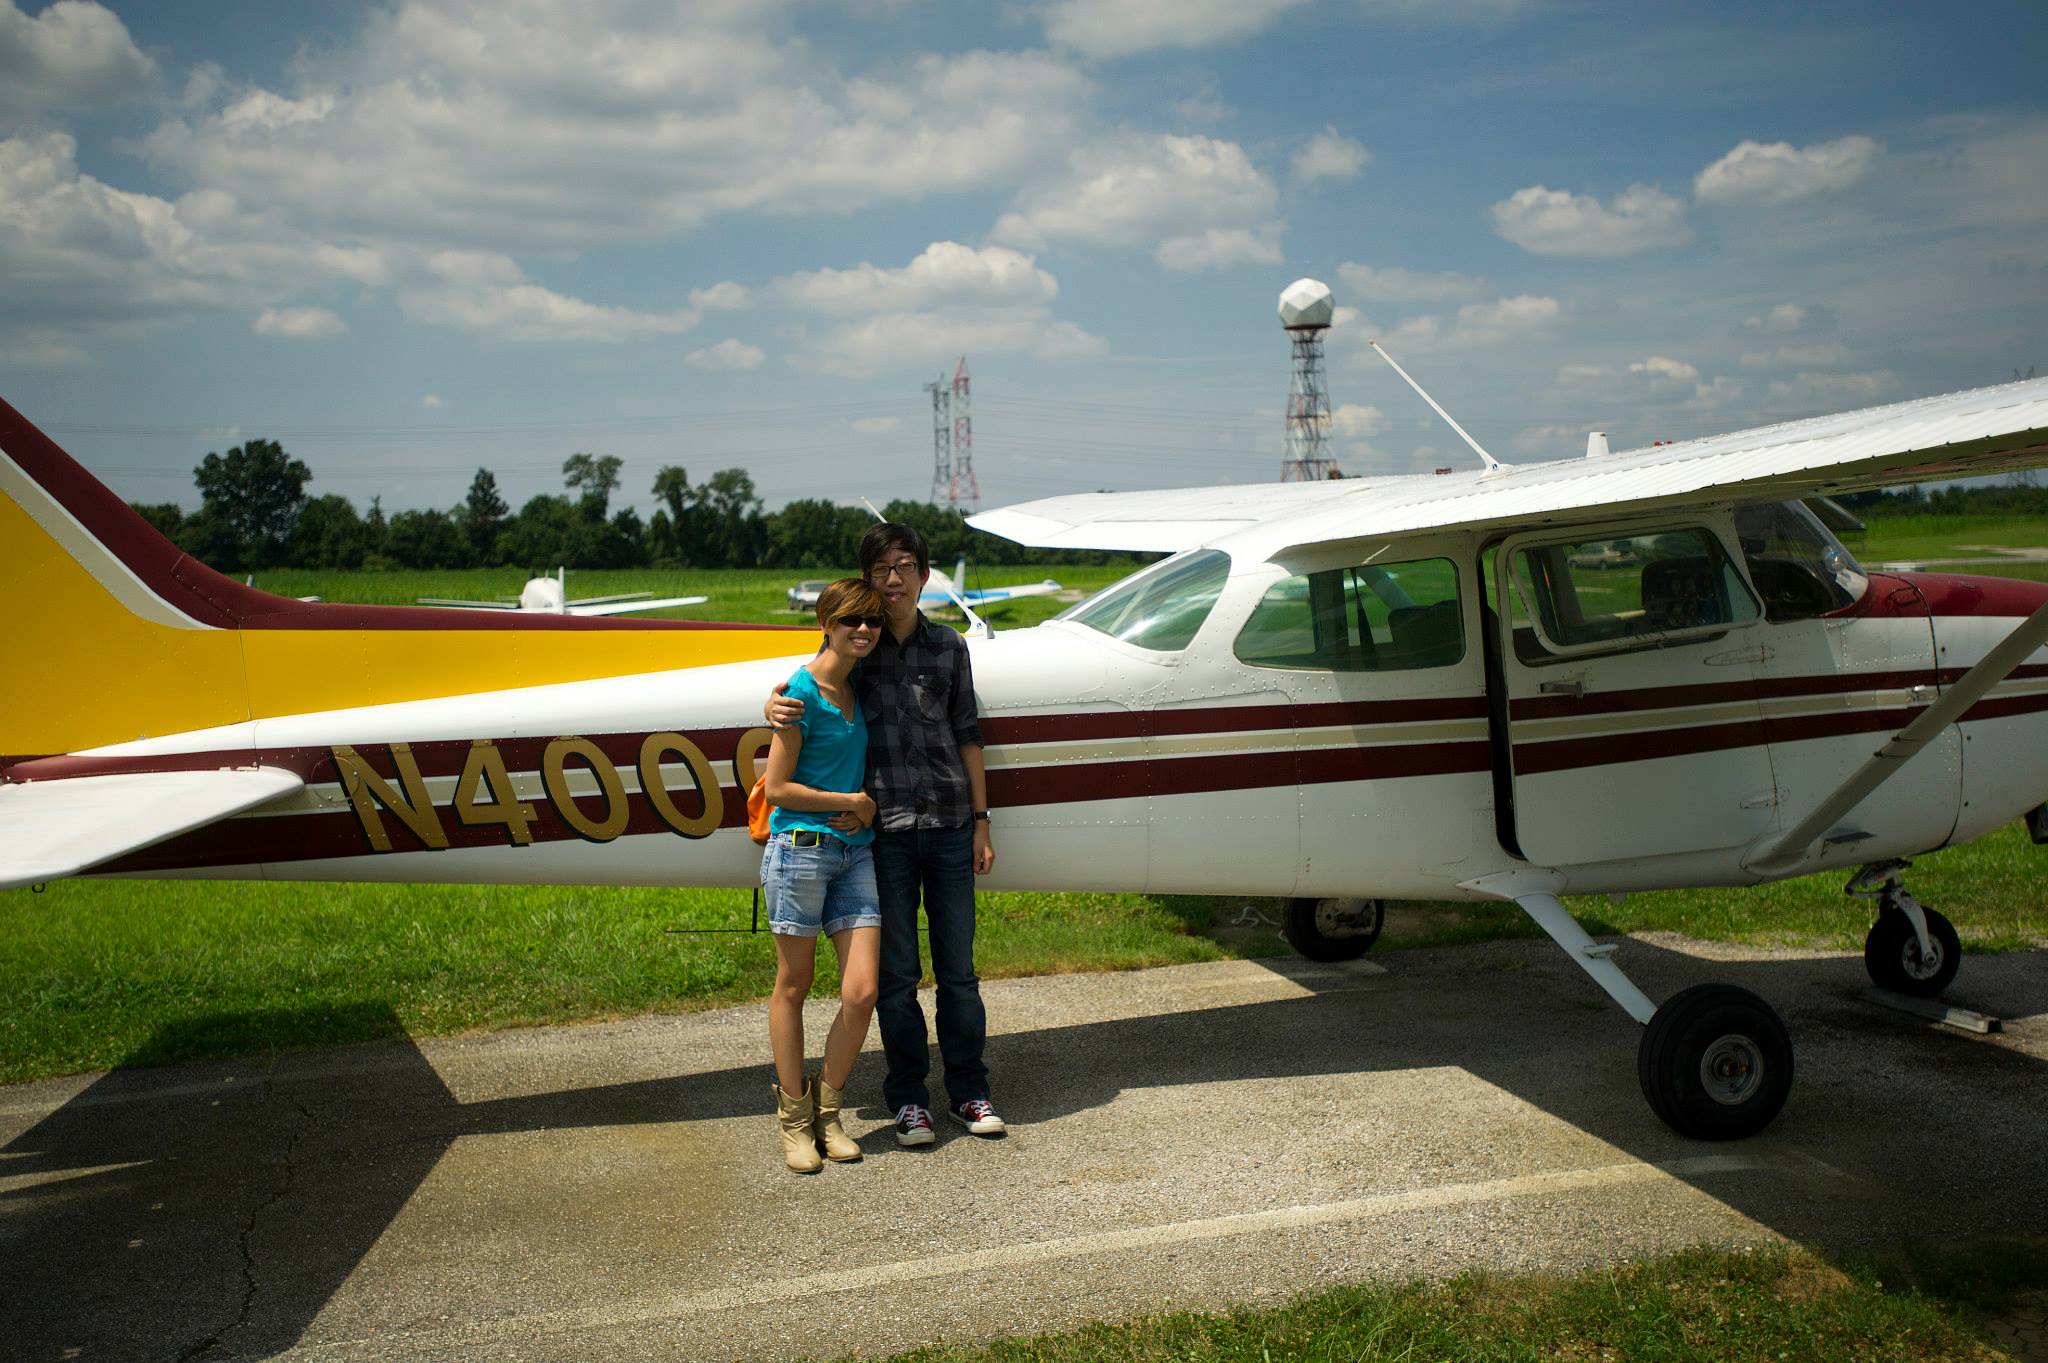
{"x": 819, "y": 876}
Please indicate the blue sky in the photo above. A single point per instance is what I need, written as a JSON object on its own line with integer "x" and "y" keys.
{"x": 413, "y": 239}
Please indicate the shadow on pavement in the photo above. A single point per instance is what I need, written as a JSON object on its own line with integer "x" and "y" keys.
{"x": 215, "y": 1209}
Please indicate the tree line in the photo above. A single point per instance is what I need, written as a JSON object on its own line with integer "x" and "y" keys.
{"x": 255, "y": 513}
{"x": 2018, "y": 496}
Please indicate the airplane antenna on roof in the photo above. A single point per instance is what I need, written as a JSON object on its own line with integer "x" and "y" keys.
{"x": 871, "y": 510}
{"x": 1493, "y": 465}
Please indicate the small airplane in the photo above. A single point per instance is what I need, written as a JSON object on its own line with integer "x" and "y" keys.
{"x": 941, "y": 591}
{"x": 1331, "y": 692}
{"x": 548, "y": 596}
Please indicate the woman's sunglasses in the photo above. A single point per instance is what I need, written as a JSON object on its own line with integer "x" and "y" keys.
{"x": 871, "y": 621}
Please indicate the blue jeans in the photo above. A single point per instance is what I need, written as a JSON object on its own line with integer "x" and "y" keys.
{"x": 939, "y": 862}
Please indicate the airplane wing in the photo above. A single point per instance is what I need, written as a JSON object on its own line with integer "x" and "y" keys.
{"x": 607, "y": 600}
{"x": 622, "y": 607}
{"x": 996, "y": 595}
{"x": 53, "y": 829}
{"x": 1956, "y": 435}
{"x": 470, "y": 605}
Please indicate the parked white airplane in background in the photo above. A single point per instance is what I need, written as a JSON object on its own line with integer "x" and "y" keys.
{"x": 1332, "y": 692}
{"x": 942, "y": 591}
{"x": 548, "y": 596}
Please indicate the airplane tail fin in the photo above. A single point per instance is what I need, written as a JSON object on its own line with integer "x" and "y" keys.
{"x": 115, "y": 633}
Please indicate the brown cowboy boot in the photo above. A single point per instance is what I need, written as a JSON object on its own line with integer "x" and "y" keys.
{"x": 838, "y": 1145}
{"x": 799, "y": 1148}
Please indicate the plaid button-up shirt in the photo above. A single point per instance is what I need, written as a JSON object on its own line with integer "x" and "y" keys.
{"x": 919, "y": 699}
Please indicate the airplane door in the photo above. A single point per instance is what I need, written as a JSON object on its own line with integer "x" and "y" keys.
{"x": 1633, "y": 716}
{"x": 1848, "y": 661}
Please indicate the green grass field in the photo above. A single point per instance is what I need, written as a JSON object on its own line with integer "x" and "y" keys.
{"x": 749, "y": 595}
{"x": 95, "y": 970}
{"x": 1699, "y": 1306}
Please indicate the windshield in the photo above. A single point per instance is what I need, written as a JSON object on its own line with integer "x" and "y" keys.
{"x": 1799, "y": 567}
{"x": 1160, "y": 608}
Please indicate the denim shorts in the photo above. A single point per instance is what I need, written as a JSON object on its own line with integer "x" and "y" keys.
{"x": 825, "y": 888}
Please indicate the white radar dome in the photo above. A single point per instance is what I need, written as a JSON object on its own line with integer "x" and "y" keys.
{"x": 1306, "y": 303}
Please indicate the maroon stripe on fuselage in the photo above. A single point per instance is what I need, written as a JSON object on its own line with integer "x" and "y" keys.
{"x": 279, "y": 839}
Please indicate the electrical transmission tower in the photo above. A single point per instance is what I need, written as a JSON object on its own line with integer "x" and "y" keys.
{"x": 942, "y": 437}
{"x": 953, "y": 480}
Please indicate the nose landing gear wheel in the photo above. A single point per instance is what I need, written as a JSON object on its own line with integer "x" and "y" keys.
{"x": 1332, "y": 929}
{"x": 1715, "y": 1063}
{"x": 1892, "y": 954}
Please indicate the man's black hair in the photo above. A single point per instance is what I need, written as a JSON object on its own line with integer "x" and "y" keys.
{"x": 887, "y": 535}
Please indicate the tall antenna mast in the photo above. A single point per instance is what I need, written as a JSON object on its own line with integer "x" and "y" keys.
{"x": 962, "y": 488}
{"x": 1306, "y": 310}
{"x": 942, "y": 438}
{"x": 1493, "y": 465}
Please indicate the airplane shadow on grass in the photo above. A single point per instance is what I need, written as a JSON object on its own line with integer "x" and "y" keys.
{"x": 215, "y": 1209}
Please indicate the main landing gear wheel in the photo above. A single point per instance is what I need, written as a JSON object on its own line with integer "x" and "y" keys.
{"x": 1332, "y": 929}
{"x": 1892, "y": 954}
{"x": 1715, "y": 1063}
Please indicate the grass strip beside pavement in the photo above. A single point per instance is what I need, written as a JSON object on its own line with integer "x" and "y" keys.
{"x": 95, "y": 973}
{"x": 1773, "y": 1305}
{"x": 125, "y": 972}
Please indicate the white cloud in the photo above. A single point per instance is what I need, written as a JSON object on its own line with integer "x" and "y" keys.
{"x": 1556, "y": 223}
{"x": 1196, "y": 201}
{"x": 1718, "y": 392}
{"x": 727, "y": 354}
{"x": 1549, "y": 439}
{"x": 488, "y": 294}
{"x": 1118, "y": 28}
{"x": 877, "y": 425}
{"x": 1353, "y": 421}
{"x": 556, "y": 127}
{"x": 83, "y": 257}
{"x": 950, "y": 299}
{"x": 1795, "y": 356}
{"x": 1662, "y": 367}
{"x": 1218, "y": 248}
{"x": 1793, "y": 319}
{"x": 73, "y": 55}
{"x": 1476, "y": 324}
{"x": 1392, "y": 284}
{"x": 1330, "y": 155}
{"x": 723, "y": 296}
{"x": 1778, "y": 172}
{"x": 944, "y": 273}
{"x": 1826, "y": 391}
{"x": 298, "y": 324}
{"x": 922, "y": 341}
{"x": 432, "y": 402}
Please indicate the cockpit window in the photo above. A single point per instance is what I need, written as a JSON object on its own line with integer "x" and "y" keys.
{"x": 1160, "y": 608}
{"x": 1799, "y": 568}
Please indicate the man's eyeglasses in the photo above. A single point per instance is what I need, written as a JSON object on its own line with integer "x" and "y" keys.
{"x": 882, "y": 572}
{"x": 871, "y": 621}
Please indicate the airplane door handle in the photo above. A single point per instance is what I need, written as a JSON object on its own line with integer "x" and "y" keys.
{"x": 1570, "y": 687}
{"x": 1760, "y": 654}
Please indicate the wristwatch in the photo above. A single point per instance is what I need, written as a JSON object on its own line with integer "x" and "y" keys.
{"x": 980, "y": 816}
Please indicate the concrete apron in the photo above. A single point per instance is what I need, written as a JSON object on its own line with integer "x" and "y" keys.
{"x": 1193, "y": 1137}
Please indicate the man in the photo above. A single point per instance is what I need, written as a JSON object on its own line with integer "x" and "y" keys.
{"x": 931, "y": 833}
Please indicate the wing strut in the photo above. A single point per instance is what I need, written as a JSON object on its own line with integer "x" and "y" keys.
{"x": 1993, "y": 668}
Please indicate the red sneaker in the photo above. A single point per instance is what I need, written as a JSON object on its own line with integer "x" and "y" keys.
{"x": 979, "y": 1116}
{"x": 914, "y": 1126}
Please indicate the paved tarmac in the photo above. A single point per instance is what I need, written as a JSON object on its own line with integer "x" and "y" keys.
{"x": 1188, "y": 1137}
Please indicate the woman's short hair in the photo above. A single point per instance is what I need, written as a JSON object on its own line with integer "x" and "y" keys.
{"x": 847, "y": 596}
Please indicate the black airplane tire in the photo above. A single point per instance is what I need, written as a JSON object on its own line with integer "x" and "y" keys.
{"x": 1715, "y": 1063}
{"x": 1332, "y": 929}
{"x": 1892, "y": 955}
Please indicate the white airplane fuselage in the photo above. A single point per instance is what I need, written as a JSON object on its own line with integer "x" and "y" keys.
{"x": 1120, "y": 768}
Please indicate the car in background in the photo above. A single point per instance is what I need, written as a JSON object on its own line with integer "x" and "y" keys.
{"x": 1603, "y": 555}
{"x": 804, "y": 595}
